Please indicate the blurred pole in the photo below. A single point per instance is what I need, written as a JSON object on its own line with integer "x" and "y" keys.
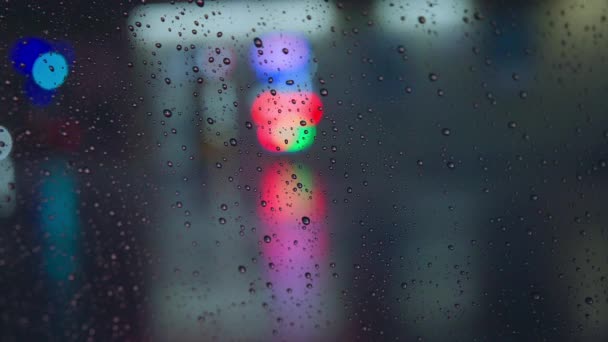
{"x": 196, "y": 289}
{"x": 295, "y": 247}
{"x": 8, "y": 187}
{"x": 59, "y": 226}
{"x": 219, "y": 95}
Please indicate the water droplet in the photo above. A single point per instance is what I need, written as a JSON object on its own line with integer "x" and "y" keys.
{"x": 242, "y": 269}
{"x": 167, "y": 113}
{"x": 267, "y": 239}
{"x": 306, "y": 220}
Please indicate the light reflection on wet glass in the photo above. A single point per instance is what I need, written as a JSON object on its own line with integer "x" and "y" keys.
{"x": 297, "y": 171}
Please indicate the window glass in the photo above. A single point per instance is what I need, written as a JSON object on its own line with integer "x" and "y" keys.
{"x": 399, "y": 170}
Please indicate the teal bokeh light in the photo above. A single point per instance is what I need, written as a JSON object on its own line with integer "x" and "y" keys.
{"x": 59, "y": 221}
{"x": 50, "y": 70}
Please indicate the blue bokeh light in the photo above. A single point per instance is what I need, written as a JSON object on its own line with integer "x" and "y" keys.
{"x": 45, "y": 65}
{"x": 38, "y": 95}
{"x": 50, "y": 70}
{"x": 26, "y": 51}
{"x": 280, "y": 55}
